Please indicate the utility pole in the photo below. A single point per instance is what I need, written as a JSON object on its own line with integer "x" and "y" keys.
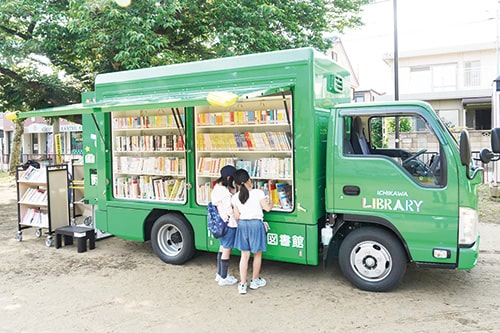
{"x": 396, "y": 69}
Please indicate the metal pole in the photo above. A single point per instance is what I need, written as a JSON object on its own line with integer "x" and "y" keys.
{"x": 396, "y": 69}
{"x": 396, "y": 53}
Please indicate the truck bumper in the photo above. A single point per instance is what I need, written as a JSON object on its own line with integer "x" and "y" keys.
{"x": 467, "y": 257}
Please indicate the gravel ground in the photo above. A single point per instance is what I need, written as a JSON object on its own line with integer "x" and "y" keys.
{"x": 122, "y": 287}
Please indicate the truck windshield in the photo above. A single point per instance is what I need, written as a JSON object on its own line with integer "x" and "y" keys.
{"x": 407, "y": 139}
{"x": 447, "y": 129}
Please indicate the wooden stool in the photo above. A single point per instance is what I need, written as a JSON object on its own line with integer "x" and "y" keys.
{"x": 80, "y": 233}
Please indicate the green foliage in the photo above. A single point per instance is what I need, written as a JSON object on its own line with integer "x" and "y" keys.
{"x": 404, "y": 125}
{"x": 376, "y": 132}
{"x": 51, "y": 50}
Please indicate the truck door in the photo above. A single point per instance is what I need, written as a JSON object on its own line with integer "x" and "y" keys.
{"x": 396, "y": 170}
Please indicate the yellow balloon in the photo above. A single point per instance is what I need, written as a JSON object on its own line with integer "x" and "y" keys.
{"x": 123, "y": 3}
{"x": 11, "y": 115}
{"x": 222, "y": 98}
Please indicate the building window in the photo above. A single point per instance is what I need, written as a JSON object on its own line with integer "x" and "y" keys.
{"x": 334, "y": 56}
{"x": 359, "y": 98}
{"x": 420, "y": 79}
{"x": 450, "y": 117}
{"x": 444, "y": 77}
{"x": 472, "y": 74}
{"x": 435, "y": 78}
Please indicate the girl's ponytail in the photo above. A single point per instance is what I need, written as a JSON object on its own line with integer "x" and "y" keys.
{"x": 241, "y": 176}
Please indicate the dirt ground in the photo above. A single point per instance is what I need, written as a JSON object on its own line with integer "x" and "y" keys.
{"x": 122, "y": 287}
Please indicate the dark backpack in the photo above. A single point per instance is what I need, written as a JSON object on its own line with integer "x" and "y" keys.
{"x": 217, "y": 226}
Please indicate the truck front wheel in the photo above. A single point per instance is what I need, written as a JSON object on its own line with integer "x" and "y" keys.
{"x": 172, "y": 239}
{"x": 372, "y": 259}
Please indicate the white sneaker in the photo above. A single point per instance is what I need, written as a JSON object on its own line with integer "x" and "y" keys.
{"x": 228, "y": 281}
{"x": 242, "y": 288}
{"x": 257, "y": 283}
{"x": 217, "y": 277}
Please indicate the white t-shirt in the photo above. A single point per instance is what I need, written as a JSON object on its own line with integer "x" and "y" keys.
{"x": 252, "y": 208}
{"x": 221, "y": 198}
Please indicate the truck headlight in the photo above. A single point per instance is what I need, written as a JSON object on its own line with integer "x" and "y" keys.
{"x": 467, "y": 226}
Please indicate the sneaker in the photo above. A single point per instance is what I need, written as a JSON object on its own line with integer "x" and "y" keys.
{"x": 217, "y": 277}
{"x": 242, "y": 288}
{"x": 257, "y": 283}
{"x": 228, "y": 281}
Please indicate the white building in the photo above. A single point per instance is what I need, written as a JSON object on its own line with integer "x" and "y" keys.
{"x": 456, "y": 81}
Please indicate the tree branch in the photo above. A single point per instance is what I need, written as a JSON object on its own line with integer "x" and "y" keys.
{"x": 17, "y": 33}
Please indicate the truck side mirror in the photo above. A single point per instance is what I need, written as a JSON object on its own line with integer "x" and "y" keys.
{"x": 495, "y": 140}
{"x": 465, "y": 152}
{"x": 466, "y": 155}
{"x": 486, "y": 155}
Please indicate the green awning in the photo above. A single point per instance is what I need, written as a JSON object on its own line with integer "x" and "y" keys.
{"x": 184, "y": 98}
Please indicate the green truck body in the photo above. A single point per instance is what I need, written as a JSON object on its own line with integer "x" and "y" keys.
{"x": 377, "y": 207}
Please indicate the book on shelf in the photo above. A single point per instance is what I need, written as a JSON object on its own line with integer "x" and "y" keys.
{"x": 285, "y": 195}
{"x": 149, "y": 143}
{"x": 150, "y": 165}
{"x": 242, "y": 141}
{"x": 210, "y": 166}
{"x": 280, "y": 193}
{"x": 204, "y": 192}
{"x": 33, "y": 174}
{"x": 264, "y": 116}
{"x": 35, "y": 217}
{"x": 273, "y": 193}
{"x": 145, "y": 121}
{"x": 34, "y": 196}
{"x": 149, "y": 188}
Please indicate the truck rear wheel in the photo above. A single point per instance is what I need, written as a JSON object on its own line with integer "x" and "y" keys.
{"x": 172, "y": 239}
{"x": 372, "y": 259}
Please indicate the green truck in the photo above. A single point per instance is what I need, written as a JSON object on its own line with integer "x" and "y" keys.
{"x": 378, "y": 185}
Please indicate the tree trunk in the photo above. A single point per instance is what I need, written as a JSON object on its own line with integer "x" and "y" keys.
{"x": 15, "y": 151}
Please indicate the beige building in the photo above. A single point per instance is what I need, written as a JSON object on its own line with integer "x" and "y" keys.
{"x": 456, "y": 81}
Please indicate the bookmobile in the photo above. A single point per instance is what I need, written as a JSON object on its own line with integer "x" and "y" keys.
{"x": 344, "y": 182}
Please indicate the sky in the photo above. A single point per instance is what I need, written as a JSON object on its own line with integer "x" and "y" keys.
{"x": 421, "y": 25}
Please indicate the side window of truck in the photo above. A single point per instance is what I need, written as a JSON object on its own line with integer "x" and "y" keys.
{"x": 413, "y": 146}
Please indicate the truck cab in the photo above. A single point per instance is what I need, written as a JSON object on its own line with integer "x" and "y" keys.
{"x": 399, "y": 192}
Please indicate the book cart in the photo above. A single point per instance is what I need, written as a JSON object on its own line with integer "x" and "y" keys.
{"x": 43, "y": 200}
{"x": 254, "y": 135}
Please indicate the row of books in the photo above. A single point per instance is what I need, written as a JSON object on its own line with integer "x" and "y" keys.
{"x": 150, "y": 188}
{"x": 244, "y": 141}
{"x": 279, "y": 192}
{"x": 35, "y": 217}
{"x": 174, "y": 166}
{"x": 156, "y": 121}
{"x": 267, "y": 167}
{"x": 204, "y": 192}
{"x": 269, "y": 116}
{"x": 149, "y": 143}
{"x": 33, "y": 174}
{"x": 34, "y": 196}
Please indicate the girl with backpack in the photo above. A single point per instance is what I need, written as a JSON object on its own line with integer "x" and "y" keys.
{"x": 221, "y": 198}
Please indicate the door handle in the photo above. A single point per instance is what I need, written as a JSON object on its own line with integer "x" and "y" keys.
{"x": 351, "y": 190}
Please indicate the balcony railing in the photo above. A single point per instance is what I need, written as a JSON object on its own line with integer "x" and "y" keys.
{"x": 472, "y": 78}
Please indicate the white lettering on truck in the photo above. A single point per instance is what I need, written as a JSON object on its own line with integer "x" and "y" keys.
{"x": 392, "y": 204}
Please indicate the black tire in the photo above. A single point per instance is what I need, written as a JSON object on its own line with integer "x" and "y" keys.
{"x": 372, "y": 259}
{"x": 172, "y": 239}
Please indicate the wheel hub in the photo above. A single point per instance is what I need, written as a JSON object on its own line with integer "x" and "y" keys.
{"x": 371, "y": 261}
